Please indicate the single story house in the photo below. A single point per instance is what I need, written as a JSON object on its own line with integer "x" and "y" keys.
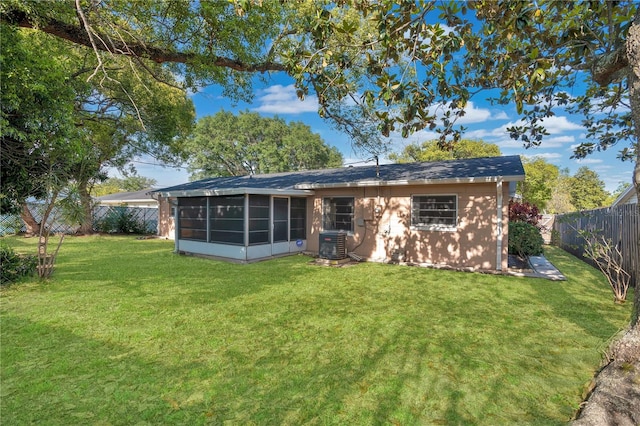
{"x": 129, "y": 199}
{"x": 451, "y": 213}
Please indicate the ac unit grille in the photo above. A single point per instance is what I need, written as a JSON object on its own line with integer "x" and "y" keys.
{"x": 333, "y": 245}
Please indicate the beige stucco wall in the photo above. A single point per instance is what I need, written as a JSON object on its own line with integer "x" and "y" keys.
{"x": 166, "y": 225}
{"x": 390, "y": 237}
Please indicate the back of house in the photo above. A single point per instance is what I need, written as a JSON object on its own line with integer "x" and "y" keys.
{"x": 451, "y": 213}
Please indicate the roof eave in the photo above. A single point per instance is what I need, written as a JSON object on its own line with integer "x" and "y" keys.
{"x": 233, "y": 191}
{"x": 141, "y": 200}
{"x": 626, "y": 195}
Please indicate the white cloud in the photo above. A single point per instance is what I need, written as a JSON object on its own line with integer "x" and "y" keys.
{"x": 558, "y": 127}
{"x": 559, "y": 124}
{"x": 589, "y": 161}
{"x": 557, "y": 141}
{"x": 280, "y": 99}
{"x": 549, "y": 156}
{"x": 472, "y": 114}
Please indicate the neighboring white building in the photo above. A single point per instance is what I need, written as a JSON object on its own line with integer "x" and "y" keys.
{"x": 129, "y": 199}
{"x": 629, "y": 196}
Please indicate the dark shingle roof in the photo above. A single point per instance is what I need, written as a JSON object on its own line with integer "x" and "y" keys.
{"x": 508, "y": 168}
{"x": 127, "y": 196}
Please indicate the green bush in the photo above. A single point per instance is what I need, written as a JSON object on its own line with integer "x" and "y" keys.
{"x": 524, "y": 239}
{"x": 121, "y": 220}
{"x": 14, "y": 266}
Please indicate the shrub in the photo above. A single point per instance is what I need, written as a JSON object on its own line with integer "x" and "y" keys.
{"x": 524, "y": 239}
{"x": 121, "y": 220}
{"x": 523, "y": 212}
{"x": 14, "y": 266}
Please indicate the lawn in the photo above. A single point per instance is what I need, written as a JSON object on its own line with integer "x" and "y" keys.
{"x": 126, "y": 332}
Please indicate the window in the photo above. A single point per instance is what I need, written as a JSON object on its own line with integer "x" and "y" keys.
{"x": 298, "y": 219}
{"x": 337, "y": 214}
{"x": 258, "y": 219}
{"x": 226, "y": 220}
{"x": 192, "y": 218}
{"x": 434, "y": 211}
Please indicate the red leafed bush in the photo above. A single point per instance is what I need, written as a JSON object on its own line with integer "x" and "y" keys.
{"x": 523, "y": 212}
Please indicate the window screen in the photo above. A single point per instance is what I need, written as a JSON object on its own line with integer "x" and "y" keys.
{"x": 337, "y": 214}
{"x": 258, "y": 219}
{"x": 226, "y": 223}
{"x": 298, "y": 219}
{"x": 192, "y": 218}
{"x": 437, "y": 211}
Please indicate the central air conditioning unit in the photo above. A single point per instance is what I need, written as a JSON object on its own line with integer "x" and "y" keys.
{"x": 333, "y": 245}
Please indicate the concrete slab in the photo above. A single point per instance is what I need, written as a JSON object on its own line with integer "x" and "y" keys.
{"x": 542, "y": 268}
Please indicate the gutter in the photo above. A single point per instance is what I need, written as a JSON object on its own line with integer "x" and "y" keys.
{"x": 378, "y": 182}
{"x": 233, "y": 191}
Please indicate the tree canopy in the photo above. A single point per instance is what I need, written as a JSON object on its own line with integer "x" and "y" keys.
{"x": 36, "y": 119}
{"x": 587, "y": 190}
{"x": 59, "y": 127}
{"x": 226, "y": 144}
{"x": 560, "y": 201}
{"x": 384, "y": 62}
{"x": 540, "y": 179}
{"x": 127, "y": 184}
{"x": 431, "y": 151}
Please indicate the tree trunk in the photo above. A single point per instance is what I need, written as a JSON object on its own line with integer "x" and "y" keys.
{"x": 86, "y": 227}
{"x": 33, "y": 226}
{"x": 633, "y": 58}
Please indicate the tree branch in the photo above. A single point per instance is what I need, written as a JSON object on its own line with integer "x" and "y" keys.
{"x": 77, "y": 35}
{"x": 606, "y": 69}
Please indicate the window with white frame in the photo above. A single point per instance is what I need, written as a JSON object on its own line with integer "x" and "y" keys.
{"x": 438, "y": 212}
{"x": 337, "y": 214}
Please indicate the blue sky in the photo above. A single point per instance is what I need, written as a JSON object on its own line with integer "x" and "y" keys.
{"x": 483, "y": 121}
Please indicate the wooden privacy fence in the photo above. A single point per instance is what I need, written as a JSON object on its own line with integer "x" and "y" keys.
{"x": 620, "y": 224}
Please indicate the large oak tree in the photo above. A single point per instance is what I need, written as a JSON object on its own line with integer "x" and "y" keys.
{"x": 226, "y": 144}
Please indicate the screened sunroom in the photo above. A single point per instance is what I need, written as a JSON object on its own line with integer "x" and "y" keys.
{"x": 243, "y": 227}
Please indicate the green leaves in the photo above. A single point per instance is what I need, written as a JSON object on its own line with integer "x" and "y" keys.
{"x": 228, "y": 145}
{"x": 387, "y": 55}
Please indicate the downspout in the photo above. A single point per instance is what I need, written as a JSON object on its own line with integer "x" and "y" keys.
{"x": 499, "y": 225}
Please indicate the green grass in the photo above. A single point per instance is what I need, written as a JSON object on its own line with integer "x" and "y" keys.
{"x": 127, "y": 332}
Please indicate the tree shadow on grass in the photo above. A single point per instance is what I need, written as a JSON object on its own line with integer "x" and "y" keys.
{"x": 301, "y": 371}
{"x": 586, "y": 316}
{"x": 54, "y": 376}
{"x": 589, "y": 303}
